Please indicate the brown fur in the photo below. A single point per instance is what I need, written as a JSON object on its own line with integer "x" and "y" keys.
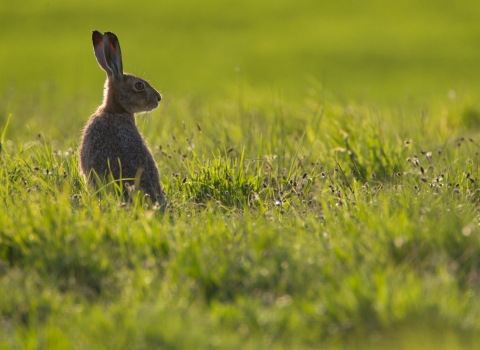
{"x": 111, "y": 142}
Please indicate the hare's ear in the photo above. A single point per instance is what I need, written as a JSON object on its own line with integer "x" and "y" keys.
{"x": 97, "y": 39}
{"x": 113, "y": 55}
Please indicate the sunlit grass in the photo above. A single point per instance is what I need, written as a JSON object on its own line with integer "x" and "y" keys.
{"x": 367, "y": 237}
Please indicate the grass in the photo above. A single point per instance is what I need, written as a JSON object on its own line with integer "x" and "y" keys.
{"x": 367, "y": 238}
{"x": 301, "y": 214}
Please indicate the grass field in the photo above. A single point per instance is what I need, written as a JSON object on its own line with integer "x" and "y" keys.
{"x": 321, "y": 161}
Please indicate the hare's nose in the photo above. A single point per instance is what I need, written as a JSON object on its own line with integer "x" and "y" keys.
{"x": 159, "y": 97}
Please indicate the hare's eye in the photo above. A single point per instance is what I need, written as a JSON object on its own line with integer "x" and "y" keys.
{"x": 139, "y": 85}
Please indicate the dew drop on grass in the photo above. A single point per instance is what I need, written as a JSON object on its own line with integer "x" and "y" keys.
{"x": 400, "y": 241}
{"x": 467, "y": 231}
{"x": 284, "y": 300}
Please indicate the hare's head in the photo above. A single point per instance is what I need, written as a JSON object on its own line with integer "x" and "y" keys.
{"x": 122, "y": 91}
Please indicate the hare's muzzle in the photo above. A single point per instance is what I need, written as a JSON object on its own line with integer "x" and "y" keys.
{"x": 155, "y": 100}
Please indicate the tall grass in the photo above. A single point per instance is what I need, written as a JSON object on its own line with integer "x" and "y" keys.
{"x": 350, "y": 237}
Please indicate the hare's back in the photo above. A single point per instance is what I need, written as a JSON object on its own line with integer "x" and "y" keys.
{"x": 110, "y": 139}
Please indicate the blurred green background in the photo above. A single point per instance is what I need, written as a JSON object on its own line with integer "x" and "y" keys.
{"x": 372, "y": 50}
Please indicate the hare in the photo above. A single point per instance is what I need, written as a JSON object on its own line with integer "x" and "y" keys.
{"x": 111, "y": 142}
